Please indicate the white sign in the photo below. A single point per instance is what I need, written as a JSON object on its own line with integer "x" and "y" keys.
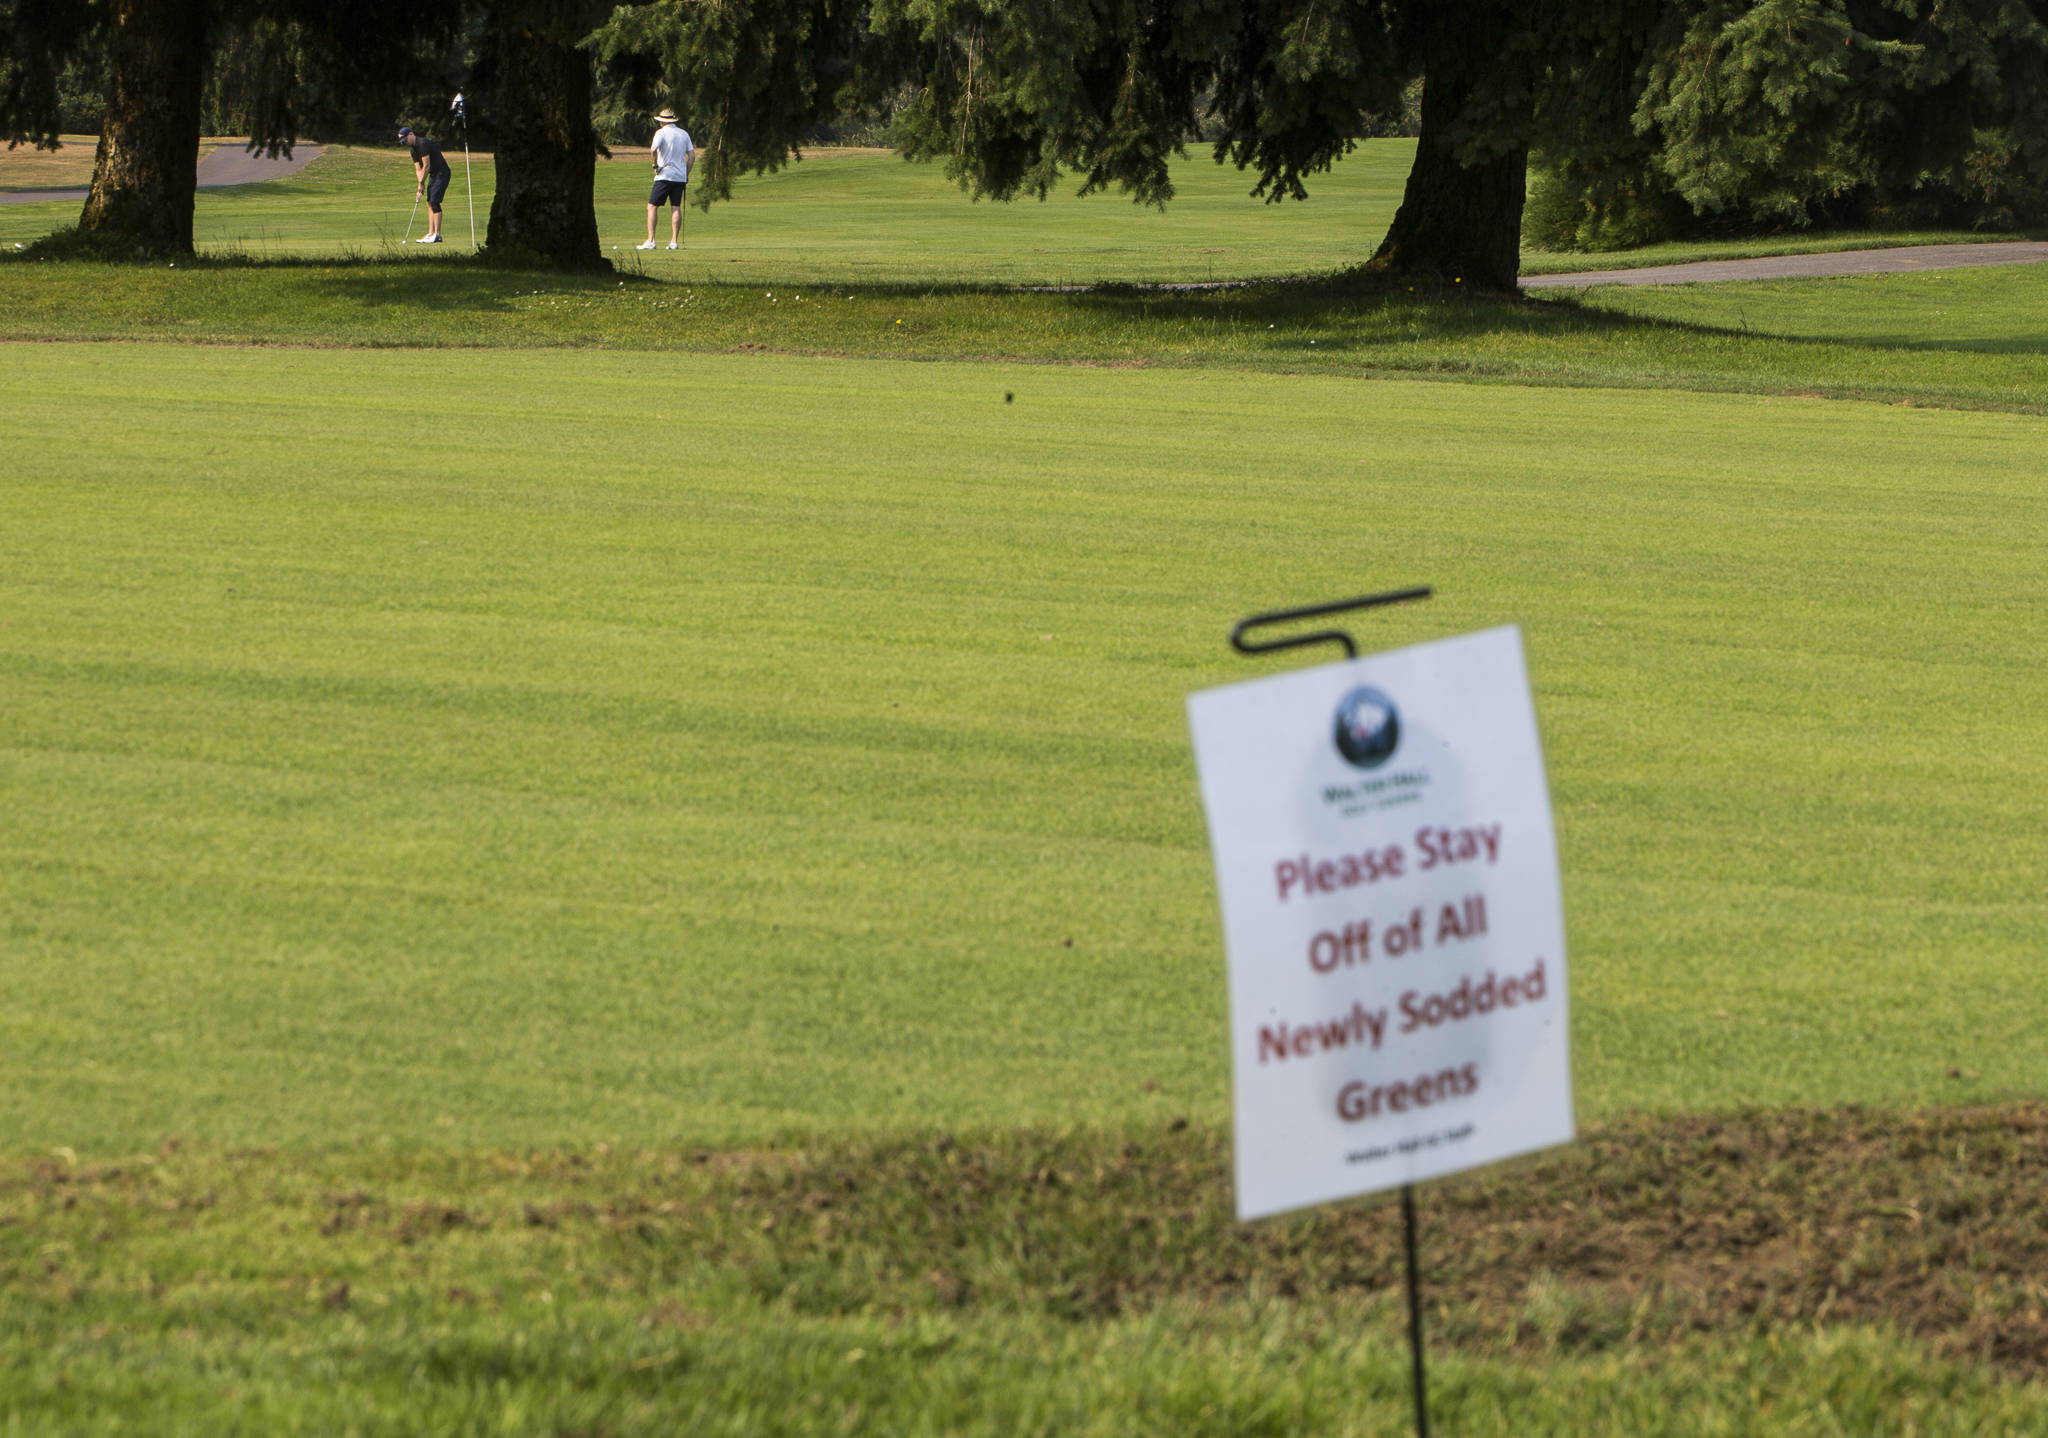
{"x": 1388, "y": 875}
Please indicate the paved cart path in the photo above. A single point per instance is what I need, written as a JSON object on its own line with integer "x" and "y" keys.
{"x": 1904, "y": 260}
{"x": 227, "y": 165}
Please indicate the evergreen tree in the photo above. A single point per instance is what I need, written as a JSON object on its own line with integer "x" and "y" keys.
{"x": 749, "y": 79}
{"x": 158, "y": 57}
{"x": 1013, "y": 94}
{"x": 539, "y": 84}
{"x": 1461, "y": 212}
{"x": 39, "y": 41}
{"x": 1757, "y": 114}
{"x": 143, "y": 183}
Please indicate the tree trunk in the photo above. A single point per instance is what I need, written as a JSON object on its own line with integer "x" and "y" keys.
{"x": 544, "y": 208}
{"x": 1458, "y": 223}
{"x": 143, "y": 178}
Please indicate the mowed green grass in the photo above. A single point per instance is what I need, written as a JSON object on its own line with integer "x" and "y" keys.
{"x": 415, "y": 758}
{"x": 868, "y": 217}
{"x": 1989, "y": 315}
{"x": 1961, "y": 338}
{"x": 853, "y": 216}
{"x": 507, "y": 748}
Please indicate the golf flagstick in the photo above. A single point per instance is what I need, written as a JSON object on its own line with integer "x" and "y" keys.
{"x": 468, "y": 185}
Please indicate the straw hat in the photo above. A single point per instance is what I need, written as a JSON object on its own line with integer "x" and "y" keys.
{"x": 667, "y": 116}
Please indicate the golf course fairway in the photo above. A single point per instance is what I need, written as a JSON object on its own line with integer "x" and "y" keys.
{"x": 478, "y": 748}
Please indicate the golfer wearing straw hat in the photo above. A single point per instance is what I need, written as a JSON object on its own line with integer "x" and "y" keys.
{"x": 673, "y": 156}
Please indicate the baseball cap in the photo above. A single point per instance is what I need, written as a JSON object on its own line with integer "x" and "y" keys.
{"x": 405, "y": 132}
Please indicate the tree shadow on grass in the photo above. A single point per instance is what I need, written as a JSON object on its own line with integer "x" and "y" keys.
{"x": 1379, "y": 312}
{"x": 455, "y": 286}
{"x": 1953, "y": 344}
{"x": 1341, "y": 315}
{"x": 451, "y": 283}
{"x": 1814, "y": 311}
{"x": 1331, "y": 325}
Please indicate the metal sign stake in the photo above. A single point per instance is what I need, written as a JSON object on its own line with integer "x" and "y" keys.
{"x": 1243, "y": 644}
{"x": 1415, "y": 1312}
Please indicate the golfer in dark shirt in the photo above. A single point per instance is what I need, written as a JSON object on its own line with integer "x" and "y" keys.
{"x": 431, "y": 170}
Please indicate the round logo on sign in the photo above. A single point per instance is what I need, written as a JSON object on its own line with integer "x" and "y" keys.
{"x": 1368, "y": 728}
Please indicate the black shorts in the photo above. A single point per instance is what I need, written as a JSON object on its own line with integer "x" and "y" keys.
{"x": 437, "y": 186}
{"x": 666, "y": 191}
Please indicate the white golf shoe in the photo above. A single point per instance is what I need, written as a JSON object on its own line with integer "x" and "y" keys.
{"x": 648, "y": 246}
{"x": 430, "y": 239}
{"x": 673, "y": 245}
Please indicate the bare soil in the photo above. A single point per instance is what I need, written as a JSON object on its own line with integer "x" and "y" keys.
{"x": 1934, "y": 1223}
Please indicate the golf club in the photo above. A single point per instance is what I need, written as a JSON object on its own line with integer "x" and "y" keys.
{"x": 410, "y": 218}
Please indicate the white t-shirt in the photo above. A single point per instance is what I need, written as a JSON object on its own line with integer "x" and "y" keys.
{"x": 672, "y": 151}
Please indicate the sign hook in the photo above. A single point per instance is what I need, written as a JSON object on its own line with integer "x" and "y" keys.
{"x": 1244, "y": 645}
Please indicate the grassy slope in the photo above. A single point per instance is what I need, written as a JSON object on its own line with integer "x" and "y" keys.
{"x": 733, "y": 747}
{"x": 1956, "y": 338}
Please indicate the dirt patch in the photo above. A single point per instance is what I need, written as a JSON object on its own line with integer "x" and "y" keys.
{"x": 1935, "y": 1223}
{"x": 1646, "y": 1231}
